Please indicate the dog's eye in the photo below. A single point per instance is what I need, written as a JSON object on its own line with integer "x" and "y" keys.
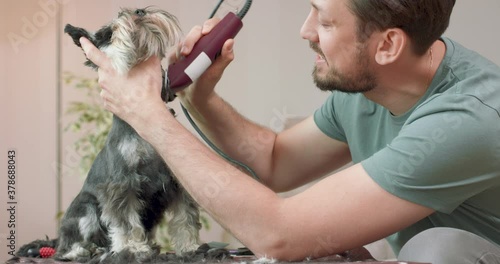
{"x": 140, "y": 12}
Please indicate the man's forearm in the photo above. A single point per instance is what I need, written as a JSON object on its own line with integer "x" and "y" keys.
{"x": 235, "y": 135}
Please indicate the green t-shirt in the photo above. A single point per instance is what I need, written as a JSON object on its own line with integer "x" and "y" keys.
{"x": 444, "y": 153}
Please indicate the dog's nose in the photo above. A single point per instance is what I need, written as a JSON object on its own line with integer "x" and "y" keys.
{"x": 140, "y": 12}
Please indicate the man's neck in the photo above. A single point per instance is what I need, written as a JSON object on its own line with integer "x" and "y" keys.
{"x": 403, "y": 84}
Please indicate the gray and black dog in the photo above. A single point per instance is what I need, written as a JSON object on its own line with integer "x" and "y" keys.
{"x": 129, "y": 187}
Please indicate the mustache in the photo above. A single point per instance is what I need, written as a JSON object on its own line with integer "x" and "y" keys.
{"x": 314, "y": 46}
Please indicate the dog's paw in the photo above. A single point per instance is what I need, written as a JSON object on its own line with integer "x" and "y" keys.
{"x": 203, "y": 253}
{"x": 143, "y": 257}
{"x": 81, "y": 252}
{"x": 187, "y": 249}
{"x": 126, "y": 256}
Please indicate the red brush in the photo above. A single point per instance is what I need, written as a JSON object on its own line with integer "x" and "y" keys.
{"x": 47, "y": 252}
{"x": 43, "y": 252}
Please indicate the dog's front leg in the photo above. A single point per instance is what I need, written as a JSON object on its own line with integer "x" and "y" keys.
{"x": 184, "y": 226}
{"x": 120, "y": 212}
{"x": 127, "y": 235}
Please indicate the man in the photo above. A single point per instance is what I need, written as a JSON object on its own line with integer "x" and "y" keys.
{"x": 419, "y": 116}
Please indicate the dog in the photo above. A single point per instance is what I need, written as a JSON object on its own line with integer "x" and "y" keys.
{"x": 129, "y": 187}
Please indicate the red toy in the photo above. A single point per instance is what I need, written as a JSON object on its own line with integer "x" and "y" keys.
{"x": 47, "y": 252}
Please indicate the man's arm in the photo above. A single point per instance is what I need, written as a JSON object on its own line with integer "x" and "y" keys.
{"x": 282, "y": 161}
{"x": 343, "y": 211}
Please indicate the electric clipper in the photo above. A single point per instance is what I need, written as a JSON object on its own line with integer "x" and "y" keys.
{"x": 184, "y": 72}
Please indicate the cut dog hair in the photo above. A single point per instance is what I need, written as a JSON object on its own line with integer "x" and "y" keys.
{"x": 129, "y": 187}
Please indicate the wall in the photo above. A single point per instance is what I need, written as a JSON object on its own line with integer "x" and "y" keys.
{"x": 28, "y": 124}
{"x": 268, "y": 81}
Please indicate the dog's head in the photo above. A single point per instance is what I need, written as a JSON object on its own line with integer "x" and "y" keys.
{"x": 134, "y": 36}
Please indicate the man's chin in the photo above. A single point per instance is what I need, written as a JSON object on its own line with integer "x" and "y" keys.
{"x": 323, "y": 85}
{"x": 320, "y": 77}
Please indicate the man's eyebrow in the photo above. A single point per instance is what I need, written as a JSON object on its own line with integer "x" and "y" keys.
{"x": 315, "y": 6}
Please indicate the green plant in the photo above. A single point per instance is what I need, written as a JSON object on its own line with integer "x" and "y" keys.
{"x": 93, "y": 122}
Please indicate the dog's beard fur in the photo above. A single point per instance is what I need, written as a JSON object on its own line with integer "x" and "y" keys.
{"x": 129, "y": 187}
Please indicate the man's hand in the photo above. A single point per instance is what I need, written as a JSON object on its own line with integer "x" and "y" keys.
{"x": 133, "y": 97}
{"x": 204, "y": 87}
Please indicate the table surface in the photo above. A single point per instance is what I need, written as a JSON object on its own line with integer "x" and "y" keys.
{"x": 358, "y": 255}
{"x": 232, "y": 260}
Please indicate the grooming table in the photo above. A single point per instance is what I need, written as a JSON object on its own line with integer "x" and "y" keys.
{"x": 232, "y": 260}
{"x": 245, "y": 259}
{"x": 359, "y": 255}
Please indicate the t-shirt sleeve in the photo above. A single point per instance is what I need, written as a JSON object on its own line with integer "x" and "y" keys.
{"x": 443, "y": 155}
{"x": 327, "y": 119}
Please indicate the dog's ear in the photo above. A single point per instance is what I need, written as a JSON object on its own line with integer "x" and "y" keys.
{"x": 76, "y": 33}
{"x": 100, "y": 39}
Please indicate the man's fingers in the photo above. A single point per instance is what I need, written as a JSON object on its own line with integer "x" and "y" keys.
{"x": 191, "y": 38}
{"x": 93, "y": 53}
{"x": 227, "y": 55}
{"x": 174, "y": 54}
{"x": 214, "y": 72}
{"x": 209, "y": 25}
{"x": 195, "y": 34}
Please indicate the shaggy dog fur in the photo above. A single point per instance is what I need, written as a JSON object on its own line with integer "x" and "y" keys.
{"x": 129, "y": 187}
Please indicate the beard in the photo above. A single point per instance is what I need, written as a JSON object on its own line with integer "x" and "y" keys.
{"x": 361, "y": 80}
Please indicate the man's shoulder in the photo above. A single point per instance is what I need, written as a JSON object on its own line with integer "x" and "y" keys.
{"x": 466, "y": 63}
{"x": 464, "y": 74}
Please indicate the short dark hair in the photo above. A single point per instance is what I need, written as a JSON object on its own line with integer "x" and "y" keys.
{"x": 423, "y": 20}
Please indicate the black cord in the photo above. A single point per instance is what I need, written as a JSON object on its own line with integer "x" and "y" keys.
{"x": 245, "y": 9}
{"x": 215, "y": 148}
{"x": 240, "y": 14}
{"x": 216, "y": 8}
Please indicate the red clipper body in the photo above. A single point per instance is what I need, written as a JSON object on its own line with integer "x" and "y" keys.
{"x": 186, "y": 71}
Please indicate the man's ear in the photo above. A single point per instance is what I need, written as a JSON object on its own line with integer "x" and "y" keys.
{"x": 390, "y": 46}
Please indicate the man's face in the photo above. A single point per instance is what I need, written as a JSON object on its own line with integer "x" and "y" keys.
{"x": 342, "y": 61}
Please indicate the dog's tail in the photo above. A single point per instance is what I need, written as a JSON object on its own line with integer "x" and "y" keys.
{"x": 32, "y": 250}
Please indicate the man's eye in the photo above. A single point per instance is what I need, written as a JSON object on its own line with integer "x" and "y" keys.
{"x": 324, "y": 23}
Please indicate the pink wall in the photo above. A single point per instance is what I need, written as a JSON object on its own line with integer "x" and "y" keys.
{"x": 28, "y": 79}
